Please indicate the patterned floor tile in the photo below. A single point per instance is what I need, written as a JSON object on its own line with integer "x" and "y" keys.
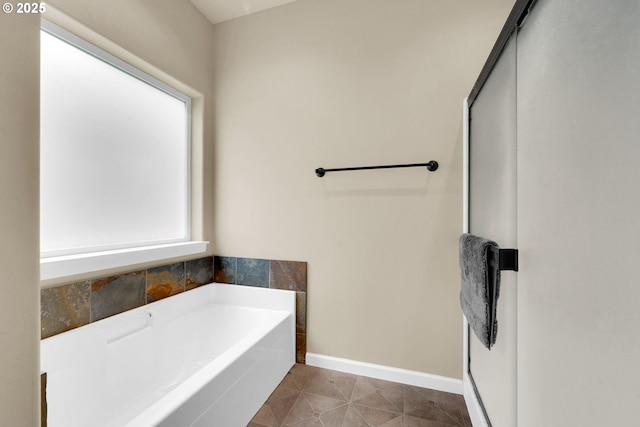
{"x": 375, "y": 417}
{"x": 378, "y": 394}
{"x": 316, "y": 397}
{"x": 334, "y": 417}
{"x": 265, "y": 417}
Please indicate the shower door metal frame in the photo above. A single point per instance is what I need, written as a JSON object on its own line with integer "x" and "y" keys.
{"x": 472, "y": 397}
{"x": 515, "y": 20}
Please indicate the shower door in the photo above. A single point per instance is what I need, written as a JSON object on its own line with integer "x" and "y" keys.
{"x": 492, "y": 214}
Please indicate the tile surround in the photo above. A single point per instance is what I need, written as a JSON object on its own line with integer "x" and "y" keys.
{"x": 77, "y": 304}
{"x": 43, "y": 399}
{"x": 115, "y": 294}
{"x": 224, "y": 269}
{"x": 301, "y": 312}
{"x": 165, "y": 281}
{"x": 198, "y": 272}
{"x": 253, "y": 272}
{"x": 288, "y": 275}
{"x": 65, "y": 308}
{"x": 274, "y": 274}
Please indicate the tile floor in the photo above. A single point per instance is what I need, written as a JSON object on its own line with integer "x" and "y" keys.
{"x": 316, "y": 397}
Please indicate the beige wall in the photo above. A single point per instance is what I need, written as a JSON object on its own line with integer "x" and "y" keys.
{"x": 19, "y": 147}
{"x": 168, "y": 39}
{"x": 345, "y": 83}
{"x": 172, "y": 41}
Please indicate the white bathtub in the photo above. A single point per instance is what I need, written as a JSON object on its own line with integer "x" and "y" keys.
{"x": 207, "y": 357}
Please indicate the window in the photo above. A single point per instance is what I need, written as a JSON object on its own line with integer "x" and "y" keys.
{"x": 115, "y": 160}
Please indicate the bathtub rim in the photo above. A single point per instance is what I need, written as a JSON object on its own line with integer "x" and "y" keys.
{"x": 214, "y": 293}
{"x": 167, "y": 405}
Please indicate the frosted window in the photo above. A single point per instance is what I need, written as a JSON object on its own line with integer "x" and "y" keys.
{"x": 114, "y": 155}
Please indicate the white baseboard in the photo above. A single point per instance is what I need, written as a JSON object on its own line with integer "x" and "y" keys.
{"x": 403, "y": 376}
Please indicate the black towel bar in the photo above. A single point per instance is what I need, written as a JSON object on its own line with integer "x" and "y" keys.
{"x": 431, "y": 166}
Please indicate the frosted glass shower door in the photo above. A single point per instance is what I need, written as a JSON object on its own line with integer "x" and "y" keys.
{"x": 579, "y": 214}
{"x": 492, "y": 214}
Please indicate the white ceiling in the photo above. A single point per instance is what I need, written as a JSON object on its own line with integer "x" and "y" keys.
{"x": 223, "y": 10}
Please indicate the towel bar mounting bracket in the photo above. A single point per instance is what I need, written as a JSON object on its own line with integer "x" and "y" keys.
{"x": 508, "y": 259}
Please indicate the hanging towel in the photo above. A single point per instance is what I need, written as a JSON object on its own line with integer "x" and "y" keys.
{"x": 480, "y": 288}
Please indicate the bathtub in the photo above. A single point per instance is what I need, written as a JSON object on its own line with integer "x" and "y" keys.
{"x": 207, "y": 357}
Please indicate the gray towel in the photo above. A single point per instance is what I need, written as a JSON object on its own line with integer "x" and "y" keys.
{"x": 480, "y": 286}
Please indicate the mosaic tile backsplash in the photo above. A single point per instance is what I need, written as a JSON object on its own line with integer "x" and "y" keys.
{"x": 70, "y": 306}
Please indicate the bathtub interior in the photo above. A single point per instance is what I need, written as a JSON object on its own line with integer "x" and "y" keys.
{"x": 145, "y": 366}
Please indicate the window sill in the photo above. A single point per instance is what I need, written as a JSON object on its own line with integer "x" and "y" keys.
{"x": 69, "y": 265}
